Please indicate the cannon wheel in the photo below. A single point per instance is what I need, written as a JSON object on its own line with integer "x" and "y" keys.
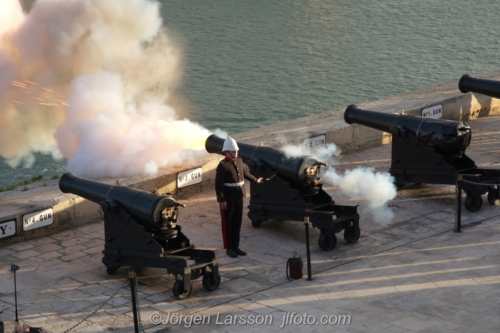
{"x": 350, "y": 235}
{"x": 256, "y": 223}
{"x": 179, "y": 292}
{"x": 209, "y": 283}
{"x": 327, "y": 241}
{"x": 111, "y": 269}
{"x": 494, "y": 196}
{"x": 473, "y": 203}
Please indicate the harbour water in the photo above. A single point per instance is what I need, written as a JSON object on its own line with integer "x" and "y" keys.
{"x": 248, "y": 64}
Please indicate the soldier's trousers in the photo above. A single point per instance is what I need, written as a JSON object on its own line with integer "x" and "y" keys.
{"x": 231, "y": 223}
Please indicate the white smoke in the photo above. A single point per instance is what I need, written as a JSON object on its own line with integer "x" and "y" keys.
{"x": 11, "y": 16}
{"x": 92, "y": 81}
{"x": 131, "y": 139}
{"x": 375, "y": 188}
{"x": 326, "y": 153}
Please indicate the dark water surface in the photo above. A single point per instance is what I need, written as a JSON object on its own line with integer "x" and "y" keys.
{"x": 256, "y": 63}
{"x": 249, "y": 64}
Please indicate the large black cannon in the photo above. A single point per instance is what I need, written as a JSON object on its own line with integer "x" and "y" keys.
{"x": 141, "y": 229}
{"x": 432, "y": 151}
{"x": 486, "y": 87}
{"x": 292, "y": 191}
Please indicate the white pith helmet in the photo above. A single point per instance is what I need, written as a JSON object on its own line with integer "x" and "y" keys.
{"x": 230, "y": 145}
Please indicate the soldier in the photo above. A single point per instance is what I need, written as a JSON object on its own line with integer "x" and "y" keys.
{"x": 230, "y": 191}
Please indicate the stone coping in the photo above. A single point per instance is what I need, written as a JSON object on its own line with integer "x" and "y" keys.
{"x": 68, "y": 210}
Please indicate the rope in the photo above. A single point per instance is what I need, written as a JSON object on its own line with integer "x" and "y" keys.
{"x": 141, "y": 328}
{"x": 267, "y": 179}
{"x": 94, "y": 312}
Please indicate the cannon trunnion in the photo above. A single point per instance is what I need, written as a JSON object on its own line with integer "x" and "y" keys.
{"x": 430, "y": 151}
{"x": 141, "y": 230}
{"x": 292, "y": 191}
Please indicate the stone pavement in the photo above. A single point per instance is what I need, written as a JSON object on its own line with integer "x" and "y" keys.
{"x": 411, "y": 274}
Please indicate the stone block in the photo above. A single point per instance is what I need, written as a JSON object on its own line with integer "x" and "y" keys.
{"x": 341, "y": 137}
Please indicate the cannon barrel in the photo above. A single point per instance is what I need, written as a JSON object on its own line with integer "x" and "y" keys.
{"x": 301, "y": 170}
{"x": 445, "y": 136}
{"x": 486, "y": 87}
{"x": 145, "y": 208}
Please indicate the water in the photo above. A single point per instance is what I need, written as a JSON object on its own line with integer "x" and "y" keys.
{"x": 256, "y": 63}
{"x": 45, "y": 166}
{"x": 249, "y": 64}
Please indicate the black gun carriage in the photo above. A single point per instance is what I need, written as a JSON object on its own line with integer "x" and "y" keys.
{"x": 431, "y": 151}
{"x": 293, "y": 192}
{"x": 141, "y": 230}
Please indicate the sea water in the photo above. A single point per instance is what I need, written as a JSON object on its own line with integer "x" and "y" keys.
{"x": 248, "y": 64}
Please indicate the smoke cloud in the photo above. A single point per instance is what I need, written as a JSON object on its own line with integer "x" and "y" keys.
{"x": 375, "y": 188}
{"x": 92, "y": 81}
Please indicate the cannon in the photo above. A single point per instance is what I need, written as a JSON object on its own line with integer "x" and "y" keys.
{"x": 293, "y": 192}
{"x": 486, "y": 87}
{"x": 432, "y": 151}
{"x": 140, "y": 229}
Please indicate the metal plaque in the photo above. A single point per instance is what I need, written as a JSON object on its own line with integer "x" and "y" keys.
{"x": 435, "y": 112}
{"x": 38, "y": 219}
{"x": 7, "y": 228}
{"x": 190, "y": 177}
{"x": 314, "y": 143}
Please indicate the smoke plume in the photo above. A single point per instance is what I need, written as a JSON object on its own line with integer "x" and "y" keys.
{"x": 92, "y": 81}
{"x": 375, "y": 188}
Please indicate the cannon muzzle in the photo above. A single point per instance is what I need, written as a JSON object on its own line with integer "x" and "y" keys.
{"x": 145, "y": 208}
{"x": 445, "y": 136}
{"x": 486, "y": 87}
{"x": 303, "y": 170}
